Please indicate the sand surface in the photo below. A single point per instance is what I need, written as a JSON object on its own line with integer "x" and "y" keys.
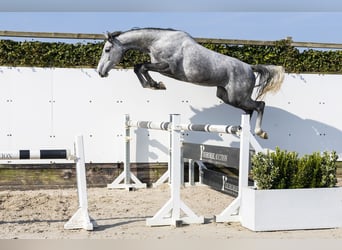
{"x": 120, "y": 214}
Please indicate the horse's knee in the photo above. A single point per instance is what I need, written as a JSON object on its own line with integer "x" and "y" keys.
{"x": 250, "y": 113}
{"x": 261, "y": 106}
{"x": 137, "y": 68}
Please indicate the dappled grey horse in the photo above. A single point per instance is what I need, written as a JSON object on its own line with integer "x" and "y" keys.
{"x": 176, "y": 54}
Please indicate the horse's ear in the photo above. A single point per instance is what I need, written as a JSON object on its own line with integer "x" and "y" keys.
{"x": 107, "y": 35}
{"x": 115, "y": 34}
{"x": 111, "y": 36}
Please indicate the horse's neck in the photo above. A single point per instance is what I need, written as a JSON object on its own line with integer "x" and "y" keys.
{"x": 141, "y": 40}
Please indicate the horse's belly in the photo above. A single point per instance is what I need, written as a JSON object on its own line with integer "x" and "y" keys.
{"x": 206, "y": 74}
{"x": 206, "y": 78}
{"x": 202, "y": 81}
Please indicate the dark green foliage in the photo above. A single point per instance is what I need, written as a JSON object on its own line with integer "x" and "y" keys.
{"x": 282, "y": 169}
{"x": 287, "y": 163}
{"x": 329, "y": 168}
{"x": 44, "y": 54}
{"x": 294, "y": 60}
{"x": 264, "y": 172}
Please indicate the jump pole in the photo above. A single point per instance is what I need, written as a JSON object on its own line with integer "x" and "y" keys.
{"x": 42, "y": 154}
{"x": 128, "y": 180}
{"x": 81, "y": 219}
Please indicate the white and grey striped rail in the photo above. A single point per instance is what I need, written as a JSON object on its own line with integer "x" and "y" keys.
{"x": 227, "y": 129}
{"x": 149, "y": 125}
{"x": 35, "y": 154}
{"x": 211, "y": 128}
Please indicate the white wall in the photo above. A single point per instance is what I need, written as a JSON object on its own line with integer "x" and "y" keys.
{"x": 47, "y": 108}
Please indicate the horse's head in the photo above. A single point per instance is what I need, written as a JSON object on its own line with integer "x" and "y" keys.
{"x": 111, "y": 54}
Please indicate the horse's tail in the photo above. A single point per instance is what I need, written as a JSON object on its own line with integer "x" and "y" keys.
{"x": 271, "y": 78}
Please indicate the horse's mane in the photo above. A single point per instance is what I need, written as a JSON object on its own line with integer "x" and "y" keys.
{"x": 118, "y": 33}
{"x": 151, "y": 28}
{"x": 113, "y": 35}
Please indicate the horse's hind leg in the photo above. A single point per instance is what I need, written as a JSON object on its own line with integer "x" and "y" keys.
{"x": 258, "y": 130}
{"x": 248, "y": 106}
{"x": 141, "y": 70}
{"x": 259, "y": 107}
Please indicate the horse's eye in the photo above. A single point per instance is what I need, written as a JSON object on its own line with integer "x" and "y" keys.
{"x": 107, "y": 50}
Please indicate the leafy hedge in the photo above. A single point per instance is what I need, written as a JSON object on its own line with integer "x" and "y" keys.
{"x": 282, "y": 170}
{"x": 44, "y": 54}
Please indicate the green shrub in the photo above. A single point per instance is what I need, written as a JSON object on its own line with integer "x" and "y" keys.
{"x": 328, "y": 167}
{"x": 287, "y": 163}
{"x": 65, "y": 55}
{"x": 264, "y": 171}
{"x": 282, "y": 170}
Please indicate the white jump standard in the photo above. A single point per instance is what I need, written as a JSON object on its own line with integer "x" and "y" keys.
{"x": 127, "y": 180}
{"x": 170, "y": 213}
{"x": 81, "y": 219}
{"x": 175, "y": 212}
{"x": 231, "y": 213}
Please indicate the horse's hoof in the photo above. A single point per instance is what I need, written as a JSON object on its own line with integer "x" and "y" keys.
{"x": 161, "y": 86}
{"x": 261, "y": 134}
{"x": 158, "y": 86}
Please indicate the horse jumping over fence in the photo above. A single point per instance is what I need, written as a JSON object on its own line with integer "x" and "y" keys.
{"x": 177, "y": 55}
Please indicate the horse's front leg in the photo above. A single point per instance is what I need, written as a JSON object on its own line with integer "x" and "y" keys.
{"x": 141, "y": 70}
{"x": 143, "y": 81}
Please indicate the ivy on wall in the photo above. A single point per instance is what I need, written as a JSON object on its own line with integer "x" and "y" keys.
{"x": 66, "y": 55}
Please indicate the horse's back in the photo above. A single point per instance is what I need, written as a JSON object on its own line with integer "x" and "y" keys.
{"x": 173, "y": 38}
{"x": 191, "y": 62}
